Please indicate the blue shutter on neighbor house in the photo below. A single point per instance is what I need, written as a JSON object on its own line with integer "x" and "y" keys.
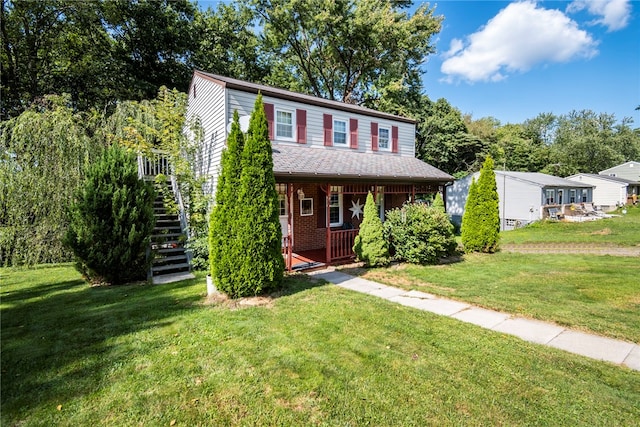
{"x": 268, "y": 111}
{"x": 374, "y": 136}
{"x": 327, "y": 122}
{"x": 301, "y": 123}
{"x": 353, "y": 128}
{"x": 394, "y": 139}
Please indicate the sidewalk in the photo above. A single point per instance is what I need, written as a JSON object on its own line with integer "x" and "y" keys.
{"x": 589, "y": 345}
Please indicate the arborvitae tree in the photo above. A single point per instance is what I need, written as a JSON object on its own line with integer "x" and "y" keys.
{"x": 483, "y": 231}
{"x": 259, "y": 265}
{"x": 469, "y": 227}
{"x": 370, "y": 245}
{"x": 438, "y": 202}
{"x": 111, "y": 220}
{"x": 222, "y": 228}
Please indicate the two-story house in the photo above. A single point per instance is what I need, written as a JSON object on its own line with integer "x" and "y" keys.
{"x": 327, "y": 156}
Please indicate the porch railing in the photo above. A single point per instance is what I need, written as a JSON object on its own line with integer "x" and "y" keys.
{"x": 341, "y": 244}
{"x": 154, "y": 163}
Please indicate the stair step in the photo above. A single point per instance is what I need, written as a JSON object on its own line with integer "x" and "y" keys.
{"x": 167, "y": 246}
{"x": 174, "y": 229}
{"x": 170, "y": 258}
{"x": 164, "y": 235}
{"x": 170, "y": 267}
{"x": 170, "y": 251}
{"x": 170, "y": 278}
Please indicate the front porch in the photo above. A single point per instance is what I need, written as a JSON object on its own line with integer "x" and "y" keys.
{"x": 321, "y": 220}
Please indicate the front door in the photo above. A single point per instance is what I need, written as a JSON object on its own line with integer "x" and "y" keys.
{"x": 560, "y": 194}
{"x": 283, "y": 202}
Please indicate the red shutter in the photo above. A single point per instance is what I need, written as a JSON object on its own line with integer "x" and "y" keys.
{"x": 327, "y": 121}
{"x": 353, "y": 128}
{"x": 301, "y": 122}
{"x": 394, "y": 139}
{"x": 268, "y": 111}
{"x": 374, "y": 136}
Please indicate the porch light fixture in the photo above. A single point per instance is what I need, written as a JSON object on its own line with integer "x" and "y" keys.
{"x": 300, "y": 194}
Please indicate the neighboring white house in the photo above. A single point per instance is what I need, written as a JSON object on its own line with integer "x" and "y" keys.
{"x": 327, "y": 156}
{"x": 629, "y": 171}
{"x": 610, "y": 192}
{"x": 524, "y": 196}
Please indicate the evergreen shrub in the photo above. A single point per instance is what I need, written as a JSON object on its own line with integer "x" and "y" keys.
{"x": 111, "y": 220}
{"x": 370, "y": 245}
{"x": 481, "y": 219}
{"x": 420, "y": 234}
{"x": 261, "y": 265}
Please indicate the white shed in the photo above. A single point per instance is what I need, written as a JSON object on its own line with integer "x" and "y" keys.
{"x": 523, "y": 196}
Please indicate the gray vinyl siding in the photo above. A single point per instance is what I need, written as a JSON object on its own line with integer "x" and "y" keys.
{"x": 208, "y": 105}
{"x": 606, "y": 193}
{"x": 244, "y": 101}
{"x": 628, "y": 170}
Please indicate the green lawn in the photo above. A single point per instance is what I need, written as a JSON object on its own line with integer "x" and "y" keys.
{"x": 621, "y": 230}
{"x": 593, "y": 293}
{"x": 317, "y": 355}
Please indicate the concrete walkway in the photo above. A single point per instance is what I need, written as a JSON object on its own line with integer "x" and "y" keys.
{"x": 589, "y": 345}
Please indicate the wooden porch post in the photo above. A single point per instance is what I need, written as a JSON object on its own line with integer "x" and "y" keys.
{"x": 328, "y": 223}
{"x": 413, "y": 193}
{"x": 290, "y": 227}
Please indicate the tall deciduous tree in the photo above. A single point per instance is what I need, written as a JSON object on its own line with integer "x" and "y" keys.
{"x": 443, "y": 141}
{"x": 481, "y": 220}
{"x": 223, "y": 229}
{"x": 346, "y": 50}
{"x": 260, "y": 265}
{"x": 43, "y": 155}
{"x": 227, "y": 43}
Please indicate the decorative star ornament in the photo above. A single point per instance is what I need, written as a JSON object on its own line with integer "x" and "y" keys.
{"x": 356, "y": 209}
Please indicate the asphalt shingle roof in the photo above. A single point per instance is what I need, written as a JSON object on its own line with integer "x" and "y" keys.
{"x": 543, "y": 180}
{"x": 325, "y": 163}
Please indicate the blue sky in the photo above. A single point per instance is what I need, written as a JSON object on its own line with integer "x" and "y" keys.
{"x": 515, "y": 60}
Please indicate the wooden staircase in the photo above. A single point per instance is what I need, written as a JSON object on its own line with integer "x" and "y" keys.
{"x": 170, "y": 257}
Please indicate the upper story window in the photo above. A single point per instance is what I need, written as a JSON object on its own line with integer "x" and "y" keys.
{"x": 284, "y": 124}
{"x": 339, "y": 132}
{"x": 384, "y": 138}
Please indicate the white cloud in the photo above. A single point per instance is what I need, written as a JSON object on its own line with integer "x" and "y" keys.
{"x": 519, "y": 37}
{"x": 613, "y": 14}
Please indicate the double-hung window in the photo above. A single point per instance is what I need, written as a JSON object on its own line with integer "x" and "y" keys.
{"x": 284, "y": 124}
{"x": 339, "y": 132}
{"x": 550, "y": 196}
{"x": 383, "y": 138}
{"x": 335, "y": 207}
{"x": 572, "y": 196}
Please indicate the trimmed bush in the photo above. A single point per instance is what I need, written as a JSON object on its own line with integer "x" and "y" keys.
{"x": 111, "y": 220}
{"x": 370, "y": 245}
{"x": 420, "y": 234}
{"x": 481, "y": 219}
